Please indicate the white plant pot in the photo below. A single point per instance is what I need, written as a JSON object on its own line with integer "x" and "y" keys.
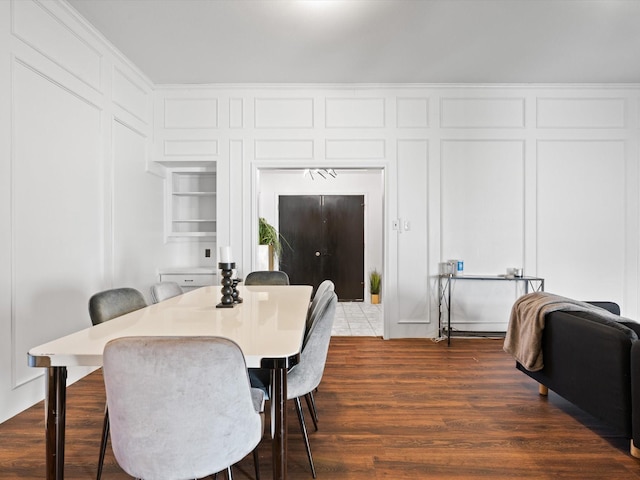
{"x": 264, "y": 257}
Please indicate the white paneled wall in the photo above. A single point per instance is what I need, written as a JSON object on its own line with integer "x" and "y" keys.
{"x": 51, "y": 153}
{"x": 355, "y": 112}
{"x": 482, "y": 203}
{"x": 412, "y": 112}
{"x": 283, "y": 113}
{"x": 412, "y": 271}
{"x": 49, "y": 30}
{"x": 273, "y": 149}
{"x": 539, "y": 177}
{"x": 584, "y": 255}
{"x": 482, "y": 112}
{"x": 80, "y": 211}
{"x": 482, "y": 221}
{"x": 581, "y": 112}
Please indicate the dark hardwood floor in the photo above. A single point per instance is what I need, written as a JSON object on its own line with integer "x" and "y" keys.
{"x": 394, "y": 409}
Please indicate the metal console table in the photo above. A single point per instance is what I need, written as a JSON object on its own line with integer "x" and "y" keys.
{"x": 533, "y": 284}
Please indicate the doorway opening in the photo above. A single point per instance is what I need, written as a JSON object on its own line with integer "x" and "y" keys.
{"x": 363, "y": 187}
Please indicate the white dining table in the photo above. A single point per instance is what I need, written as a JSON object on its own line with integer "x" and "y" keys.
{"x": 268, "y": 326}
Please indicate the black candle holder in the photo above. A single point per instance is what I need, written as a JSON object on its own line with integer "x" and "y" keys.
{"x": 226, "y": 269}
{"x": 234, "y": 287}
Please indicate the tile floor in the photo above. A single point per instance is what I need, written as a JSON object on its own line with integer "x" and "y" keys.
{"x": 358, "y": 319}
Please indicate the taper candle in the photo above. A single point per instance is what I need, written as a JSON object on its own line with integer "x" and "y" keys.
{"x": 225, "y": 255}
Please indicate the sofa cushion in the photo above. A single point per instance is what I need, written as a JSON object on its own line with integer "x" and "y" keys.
{"x": 609, "y": 306}
{"x": 635, "y": 326}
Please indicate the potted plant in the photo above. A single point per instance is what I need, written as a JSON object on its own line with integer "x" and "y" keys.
{"x": 269, "y": 239}
{"x": 375, "y": 280}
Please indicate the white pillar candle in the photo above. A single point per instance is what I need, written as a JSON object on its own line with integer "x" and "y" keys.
{"x": 225, "y": 254}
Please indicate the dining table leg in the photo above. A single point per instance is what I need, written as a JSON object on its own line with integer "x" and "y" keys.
{"x": 279, "y": 422}
{"x": 55, "y": 413}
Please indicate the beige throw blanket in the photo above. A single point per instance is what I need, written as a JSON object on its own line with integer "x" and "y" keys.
{"x": 524, "y": 334}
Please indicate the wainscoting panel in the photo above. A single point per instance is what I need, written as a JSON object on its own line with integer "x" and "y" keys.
{"x": 355, "y": 149}
{"x": 581, "y": 112}
{"x": 131, "y": 96}
{"x": 283, "y": 113}
{"x": 412, "y": 112}
{"x": 191, "y": 113}
{"x": 482, "y": 215}
{"x": 189, "y": 148}
{"x": 236, "y": 117}
{"x": 482, "y": 112}
{"x": 37, "y": 26}
{"x": 57, "y": 265}
{"x": 283, "y": 149}
{"x": 137, "y": 207}
{"x": 354, "y": 112}
{"x": 413, "y": 252}
{"x": 482, "y": 208}
{"x": 581, "y": 217}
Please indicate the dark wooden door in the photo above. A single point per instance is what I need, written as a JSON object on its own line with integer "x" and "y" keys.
{"x": 326, "y": 236}
{"x": 302, "y": 226}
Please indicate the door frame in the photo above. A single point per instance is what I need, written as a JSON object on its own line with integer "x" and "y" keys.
{"x": 389, "y": 241}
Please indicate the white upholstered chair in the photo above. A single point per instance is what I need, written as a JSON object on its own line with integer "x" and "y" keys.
{"x": 165, "y": 290}
{"x": 180, "y": 407}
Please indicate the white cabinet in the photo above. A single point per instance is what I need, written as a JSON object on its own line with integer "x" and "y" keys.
{"x": 189, "y": 277}
{"x": 191, "y": 205}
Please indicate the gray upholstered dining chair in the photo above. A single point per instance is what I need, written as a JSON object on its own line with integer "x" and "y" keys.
{"x": 104, "y": 306}
{"x": 267, "y": 277}
{"x": 323, "y": 287}
{"x": 181, "y": 407}
{"x": 319, "y": 300}
{"x": 305, "y": 377}
{"x": 109, "y": 304}
{"x": 165, "y": 290}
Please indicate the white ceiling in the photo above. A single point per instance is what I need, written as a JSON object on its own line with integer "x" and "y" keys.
{"x": 374, "y": 41}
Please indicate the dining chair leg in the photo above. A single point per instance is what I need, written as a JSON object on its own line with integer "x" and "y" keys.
{"x": 256, "y": 463}
{"x": 103, "y": 442}
{"x": 257, "y": 467}
{"x": 311, "y": 404}
{"x": 305, "y": 437}
{"x": 229, "y": 475}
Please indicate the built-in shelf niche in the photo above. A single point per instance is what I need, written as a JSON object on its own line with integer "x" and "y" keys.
{"x": 192, "y": 203}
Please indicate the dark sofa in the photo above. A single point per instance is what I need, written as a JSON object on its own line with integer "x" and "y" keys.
{"x": 594, "y": 363}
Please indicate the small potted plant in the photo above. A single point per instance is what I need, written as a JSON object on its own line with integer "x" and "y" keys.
{"x": 375, "y": 280}
{"x": 269, "y": 238}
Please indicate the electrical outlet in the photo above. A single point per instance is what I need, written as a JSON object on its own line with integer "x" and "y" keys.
{"x": 207, "y": 252}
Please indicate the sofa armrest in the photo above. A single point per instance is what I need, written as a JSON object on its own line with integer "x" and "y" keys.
{"x": 635, "y": 394}
{"x": 587, "y": 361}
{"x": 635, "y": 326}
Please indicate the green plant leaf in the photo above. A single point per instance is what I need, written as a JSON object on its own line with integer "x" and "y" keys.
{"x": 268, "y": 235}
{"x": 375, "y": 281}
